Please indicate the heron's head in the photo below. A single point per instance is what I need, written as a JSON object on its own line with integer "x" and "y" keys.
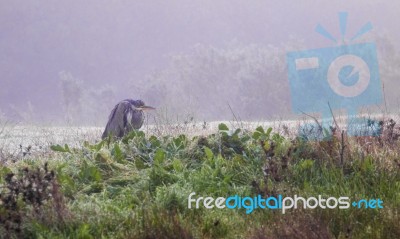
{"x": 140, "y": 105}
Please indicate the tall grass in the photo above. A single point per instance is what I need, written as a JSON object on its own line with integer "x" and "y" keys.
{"x": 138, "y": 187}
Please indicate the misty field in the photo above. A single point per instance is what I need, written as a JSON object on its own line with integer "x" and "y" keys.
{"x": 63, "y": 182}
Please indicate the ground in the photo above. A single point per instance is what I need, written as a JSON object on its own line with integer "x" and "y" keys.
{"x": 64, "y": 182}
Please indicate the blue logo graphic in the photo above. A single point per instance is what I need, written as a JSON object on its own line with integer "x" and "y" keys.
{"x": 332, "y": 78}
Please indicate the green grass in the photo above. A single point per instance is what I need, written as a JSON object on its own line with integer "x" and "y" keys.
{"x": 138, "y": 187}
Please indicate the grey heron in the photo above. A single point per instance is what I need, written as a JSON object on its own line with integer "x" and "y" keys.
{"x": 126, "y": 116}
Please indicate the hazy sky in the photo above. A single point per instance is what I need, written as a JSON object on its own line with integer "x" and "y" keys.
{"x": 115, "y": 42}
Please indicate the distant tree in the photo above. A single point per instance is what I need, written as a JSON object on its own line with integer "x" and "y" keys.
{"x": 72, "y": 93}
{"x": 24, "y": 114}
{"x": 98, "y": 103}
{"x": 251, "y": 79}
{"x": 389, "y": 68}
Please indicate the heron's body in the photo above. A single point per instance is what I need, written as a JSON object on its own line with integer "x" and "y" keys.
{"x": 126, "y": 116}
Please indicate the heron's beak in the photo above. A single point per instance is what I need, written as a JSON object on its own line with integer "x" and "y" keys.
{"x": 145, "y": 107}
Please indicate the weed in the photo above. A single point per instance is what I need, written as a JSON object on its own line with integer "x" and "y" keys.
{"x": 25, "y": 196}
{"x": 137, "y": 187}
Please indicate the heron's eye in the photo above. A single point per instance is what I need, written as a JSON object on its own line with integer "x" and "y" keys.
{"x": 140, "y": 103}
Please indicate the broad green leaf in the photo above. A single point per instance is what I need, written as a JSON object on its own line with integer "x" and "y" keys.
{"x": 140, "y": 164}
{"x": 179, "y": 141}
{"x": 66, "y": 148}
{"x": 177, "y": 164}
{"x": 269, "y": 130}
{"x": 100, "y": 145}
{"x": 266, "y": 146}
{"x": 209, "y": 153}
{"x": 256, "y": 135}
{"x": 104, "y": 156}
{"x": 89, "y": 173}
{"x": 260, "y": 129}
{"x": 223, "y": 127}
{"x": 237, "y": 132}
{"x": 154, "y": 141}
{"x": 59, "y": 148}
{"x": 118, "y": 153}
{"x": 159, "y": 156}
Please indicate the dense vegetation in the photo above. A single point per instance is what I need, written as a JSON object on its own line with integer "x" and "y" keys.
{"x": 138, "y": 187}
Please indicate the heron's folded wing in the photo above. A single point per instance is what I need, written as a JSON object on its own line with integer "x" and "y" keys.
{"x": 115, "y": 123}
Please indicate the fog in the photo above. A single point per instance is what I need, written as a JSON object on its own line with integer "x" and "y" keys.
{"x": 72, "y": 61}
